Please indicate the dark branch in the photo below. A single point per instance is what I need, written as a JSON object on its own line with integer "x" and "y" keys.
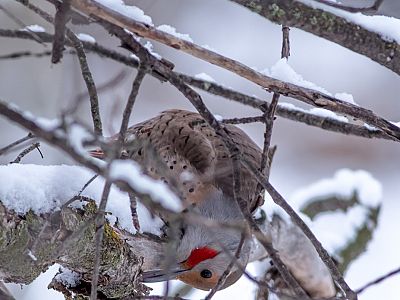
{"x": 16, "y": 143}
{"x": 60, "y": 20}
{"x": 26, "y": 152}
{"x": 86, "y": 74}
{"x": 378, "y": 280}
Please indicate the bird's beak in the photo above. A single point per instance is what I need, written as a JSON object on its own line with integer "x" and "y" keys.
{"x": 163, "y": 275}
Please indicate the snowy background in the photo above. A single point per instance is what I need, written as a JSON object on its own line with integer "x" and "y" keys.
{"x": 305, "y": 154}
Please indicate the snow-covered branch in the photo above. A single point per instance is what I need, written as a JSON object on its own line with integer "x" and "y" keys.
{"x": 375, "y": 37}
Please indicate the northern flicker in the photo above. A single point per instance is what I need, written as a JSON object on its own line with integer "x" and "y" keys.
{"x": 197, "y": 159}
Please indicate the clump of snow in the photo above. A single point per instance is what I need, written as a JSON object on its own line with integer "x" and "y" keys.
{"x": 343, "y": 184}
{"x": 32, "y": 256}
{"x": 34, "y": 28}
{"x": 346, "y": 97}
{"x": 321, "y": 112}
{"x": 204, "y": 76}
{"x": 335, "y": 229}
{"x": 149, "y": 47}
{"x": 46, "y": 124}
{"x": 86, "y": 38}
{"x": 127, "y": 10}
{"x": 46, "y": 188}
{"x": 76, "y": 136}
{"x": 208, "y": 47}
{"x": 386, "y": 27}
{"x": 289, "y": 106}
{"x": 67, "y": 277}
{"x": 283, "y": 71}
{"x": 370, "y": 128}
{"x": 171, "y": 30}
{"x": 134, "y": 56}
{"x": 396, "y": 124}
{"x": 186, "y": 176}
{"x": 218, "y": 118}
{"x": 130, "y": 172}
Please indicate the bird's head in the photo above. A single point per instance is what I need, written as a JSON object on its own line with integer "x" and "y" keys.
{"x": 202, "y": 269}
{"x": 202, "y": 257}
{"x": 204, "y": 253}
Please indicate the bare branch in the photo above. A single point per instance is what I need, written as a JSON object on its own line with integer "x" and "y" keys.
{"x": 99, "y": 234}
{"x": 131, "y": 100}
{"x": 60, "y": 20}
{"x": 32, "y": 34}
{"x": 16, "y": 143}
{"x": 269, "y": 113}
{"x": 378, "y": 280}
{"x": 224, "y": 275}
{"x": 87, "y": 75}
{"x": 27, "y": 151}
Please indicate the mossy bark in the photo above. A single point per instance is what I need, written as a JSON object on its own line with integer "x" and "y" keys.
{"x": 29, "y": 244}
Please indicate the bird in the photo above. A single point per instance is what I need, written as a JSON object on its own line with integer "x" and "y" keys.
{"x": 196, "y": 161}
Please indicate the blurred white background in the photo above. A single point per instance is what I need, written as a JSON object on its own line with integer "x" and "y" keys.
{"x": 305, "y": 154}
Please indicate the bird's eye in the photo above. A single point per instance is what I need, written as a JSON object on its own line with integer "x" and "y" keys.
{"x": 206, "y": 273}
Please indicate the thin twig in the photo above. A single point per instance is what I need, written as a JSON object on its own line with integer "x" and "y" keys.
{"x": 87, "y": 184}
{"x": 134, "y": 214}
{"x": 16, "y": 143}
{"x": 378, "y": 280}
{"x": 244, "y": 120}
{"x": 27, "y": 151}
{"x": 60, "y": 20}
{"x": 32, "y": 33}
{"x": 270, "y": 111}
{"x": 86, "y": 74}
{"x": 222, "y": 278}
{"x": 101, "y": 88}
{"x": 131, "y": 101}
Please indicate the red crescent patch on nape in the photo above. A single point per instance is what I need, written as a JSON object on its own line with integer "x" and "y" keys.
{"x": 198, "y": 255}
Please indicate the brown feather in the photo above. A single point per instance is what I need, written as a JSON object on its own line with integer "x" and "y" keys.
{"x": 193, "y": 155}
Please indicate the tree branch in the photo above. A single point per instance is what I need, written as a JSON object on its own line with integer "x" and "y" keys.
{"x": 216, "y": 89}
{"x": 329, "y": 26}
{"x": 306, "y": 95}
